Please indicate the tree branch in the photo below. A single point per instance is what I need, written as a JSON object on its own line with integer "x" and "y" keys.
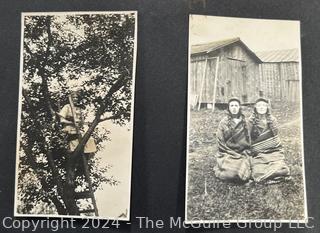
{"x": 50, "y": 39}
{"x": 60, "y": 207}
{"x": 27, "y": 48}
{"x": 55, "y": 172}
{"x": 110, "y": 118}
{"x": 114, "y": 88}
{"x": 41, "y": 67}
{"x": 42, "y": 70}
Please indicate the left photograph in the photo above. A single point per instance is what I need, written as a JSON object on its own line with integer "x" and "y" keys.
{"x": 75, "y": 119}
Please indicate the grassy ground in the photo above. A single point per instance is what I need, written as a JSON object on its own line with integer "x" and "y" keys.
{"x": 212, "y": 199}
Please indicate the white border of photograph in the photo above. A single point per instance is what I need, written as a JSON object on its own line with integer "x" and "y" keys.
{"x": 131, "y": 123}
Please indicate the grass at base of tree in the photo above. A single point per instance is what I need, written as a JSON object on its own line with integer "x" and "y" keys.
{"x": 212, "y": 199}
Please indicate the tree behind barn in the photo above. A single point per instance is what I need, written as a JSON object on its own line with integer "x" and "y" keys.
{"x": 62, "y": 53}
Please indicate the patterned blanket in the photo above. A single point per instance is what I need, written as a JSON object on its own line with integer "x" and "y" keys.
{"x": 268, "y": 161}
{"x": 232, "y": 160}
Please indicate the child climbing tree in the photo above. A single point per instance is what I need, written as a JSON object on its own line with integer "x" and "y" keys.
{"x": 62, "y": 53}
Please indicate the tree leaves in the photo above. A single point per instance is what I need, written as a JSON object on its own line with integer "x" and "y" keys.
{"x": 92, "y": 53}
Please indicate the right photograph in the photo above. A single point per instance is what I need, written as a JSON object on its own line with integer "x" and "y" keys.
{"x": 245, "y": 159}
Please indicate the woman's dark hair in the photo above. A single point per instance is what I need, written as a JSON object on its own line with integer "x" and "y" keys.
{"x": 243, "y": 122}
{"x": 234, "y": 99}
{"x": 256, "y": 119}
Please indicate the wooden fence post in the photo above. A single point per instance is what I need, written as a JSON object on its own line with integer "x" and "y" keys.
{"x": 215, "y": 84}
{"x": 202, "y": 83}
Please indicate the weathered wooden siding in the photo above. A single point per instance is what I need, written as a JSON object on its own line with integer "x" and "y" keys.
{"x": 198, "y": 66}
{"x": 280, "y": 81}
{"x": 238, "y": 75}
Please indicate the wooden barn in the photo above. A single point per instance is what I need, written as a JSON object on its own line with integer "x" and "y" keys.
{"x": 223, "y": 69}
{"x": 279, "y": 75}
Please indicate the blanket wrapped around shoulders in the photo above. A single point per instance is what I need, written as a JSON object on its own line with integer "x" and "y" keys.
{"x": 232, "y": 160}
{"x": 268, "y": 161}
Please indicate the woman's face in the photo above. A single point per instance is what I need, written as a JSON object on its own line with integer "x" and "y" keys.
{"x": 234, "y": 107}
{"x": 262, "y": 107}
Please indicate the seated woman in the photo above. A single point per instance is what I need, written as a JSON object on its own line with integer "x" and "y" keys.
{"x": 233, "y": 141}
{"x": 267, "y": 161}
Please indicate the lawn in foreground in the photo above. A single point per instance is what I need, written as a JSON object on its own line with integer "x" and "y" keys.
{"x": 212, "y": 199}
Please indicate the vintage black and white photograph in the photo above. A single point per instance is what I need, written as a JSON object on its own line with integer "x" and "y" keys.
{"x": 245, "y": 159}
{"x": 75, "y": 121}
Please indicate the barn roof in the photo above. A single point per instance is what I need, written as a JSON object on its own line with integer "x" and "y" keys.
{"x": 288, "y": 55}
{"x": 212, "y": 46}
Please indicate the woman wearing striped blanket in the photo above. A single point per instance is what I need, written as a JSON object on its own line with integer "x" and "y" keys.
{"x": 267, "y": 158}
{"x": 233, "y": 144}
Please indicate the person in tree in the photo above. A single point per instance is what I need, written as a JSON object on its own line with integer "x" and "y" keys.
{"x": 267, "y": 160}
{"x": 72, "y": 121}
{"x": 233, "y": 144}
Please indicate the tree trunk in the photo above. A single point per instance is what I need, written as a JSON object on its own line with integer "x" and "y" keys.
{"x": 59, "y": 206}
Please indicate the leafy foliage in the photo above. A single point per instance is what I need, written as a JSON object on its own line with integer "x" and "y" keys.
{"x": 62, "y": 53}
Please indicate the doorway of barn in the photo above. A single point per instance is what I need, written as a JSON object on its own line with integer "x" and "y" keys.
{"x": 236, "y": 79}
